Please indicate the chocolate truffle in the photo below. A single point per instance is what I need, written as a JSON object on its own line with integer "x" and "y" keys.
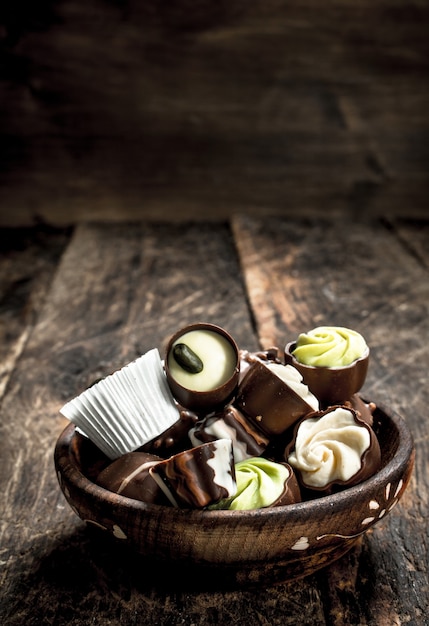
{"x": 333, "y": 449}
{"x": 199, "y": 476}
{"x": 129, "y": 476}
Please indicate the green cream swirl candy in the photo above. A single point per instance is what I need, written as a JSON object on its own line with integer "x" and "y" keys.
{"x": 329, "y": 346}
{"x": 260, "y": 482}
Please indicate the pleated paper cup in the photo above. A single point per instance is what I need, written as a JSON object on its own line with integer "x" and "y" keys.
{"x": 127, "y": 409}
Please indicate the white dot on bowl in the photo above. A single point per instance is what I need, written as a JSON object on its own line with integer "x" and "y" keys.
{"x": 387, "y": 490}
{"x": 118, "y": 532}
{"x": 301, "y": 544}
{"x": 91, "y": 521}
{"x": 373, "y": 505}
{"x": 367, "y": 520}
{"x": 398, "y": 488}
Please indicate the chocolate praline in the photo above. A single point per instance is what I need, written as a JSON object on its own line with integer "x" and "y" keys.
{"x": 370, "y": 459}
{"x": 230, "y": 423}
{"x": 198, "y": 477}
{"x": 174, "y": 439}
{"x": 204, "y": 401}
{"x": 331, "y": 385}
{"x": 129, "y": 476}
{"x": 270, "y": 403}
{"x": 262, "y": 483}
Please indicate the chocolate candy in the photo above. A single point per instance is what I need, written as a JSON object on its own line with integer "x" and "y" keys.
{"x": 198, "y": 477}
{"x": 271, "y": 355}
{"x": 174, "y": 439}
{"x": 230, "y": 424}
{"x": 129, "y": 476}
{"x": 202, "y": 367}
{"x": 330, "y": 346}
{"x": 333, "y": 449}
{"x": 331, "y": 385}
{"x": 364, "y": 410}
{"x": 262, "y": 483}
{"x": 273, "y": 397}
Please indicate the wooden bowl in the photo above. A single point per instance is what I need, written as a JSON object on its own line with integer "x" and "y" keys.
{"x": 239, "y": 548}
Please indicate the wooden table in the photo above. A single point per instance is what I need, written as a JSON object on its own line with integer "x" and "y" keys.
{"x": 78, "y": 303}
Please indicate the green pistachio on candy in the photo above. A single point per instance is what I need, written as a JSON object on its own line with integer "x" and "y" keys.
{"x": 186, "y": 358}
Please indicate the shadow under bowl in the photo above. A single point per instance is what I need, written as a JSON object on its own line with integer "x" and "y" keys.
{"x": 239, "y": 548}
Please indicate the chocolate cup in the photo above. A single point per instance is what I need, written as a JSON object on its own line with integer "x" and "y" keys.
{"x": 268, "y": 401}
{"x": 291, "y": 492}
{"x": 331, "y": 385}
{"x": 203, "y": 402}
{"x": 370, "y": 460}
{"x": 364, "y": 410}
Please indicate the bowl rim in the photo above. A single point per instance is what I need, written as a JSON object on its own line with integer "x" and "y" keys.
{"x": 67, "y": 467}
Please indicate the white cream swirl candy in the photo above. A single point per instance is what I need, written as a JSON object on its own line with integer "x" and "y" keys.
{"x": 330, "y": 448}
{"x": 329, "y": 346}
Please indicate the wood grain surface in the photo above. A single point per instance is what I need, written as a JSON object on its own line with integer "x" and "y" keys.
{"x": 119, "y": 110}
{"x": 81, "y": 303}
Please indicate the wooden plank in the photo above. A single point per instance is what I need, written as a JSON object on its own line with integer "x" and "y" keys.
{"x": 302, "y": 274}
{"x": 118, "y": 292}
{"x": 28, "y": 259}
{"x": 265, "y": 107}
{"x": 414, "y": 236}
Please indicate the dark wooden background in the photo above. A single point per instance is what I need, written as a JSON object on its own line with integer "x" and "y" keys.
{"x": 119, "y": 109}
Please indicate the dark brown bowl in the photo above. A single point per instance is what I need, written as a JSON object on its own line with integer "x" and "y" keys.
{"x": 331, "y": 385}
{"x": 239, "y": 548}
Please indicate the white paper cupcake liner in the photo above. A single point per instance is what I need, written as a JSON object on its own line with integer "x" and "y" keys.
{"x": 126, "y": 409}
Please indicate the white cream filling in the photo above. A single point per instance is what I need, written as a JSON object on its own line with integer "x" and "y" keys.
{"x": 293, "y": 379}
{"x": 329, "y": 448}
